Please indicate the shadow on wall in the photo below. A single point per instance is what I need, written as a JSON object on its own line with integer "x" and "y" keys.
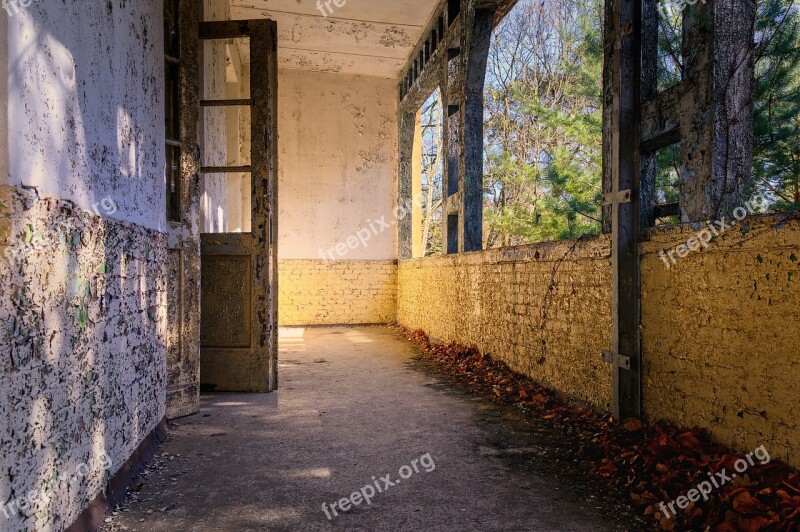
{"x": 85, "y": 311}
{"x": 86, "y": 110}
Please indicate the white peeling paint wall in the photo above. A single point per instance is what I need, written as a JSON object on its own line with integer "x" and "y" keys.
{"x": 83, "y": 306}
{"x": 86, "y": 105}
{"x": 338, "y": 165}
{"x": 3, "y": 101}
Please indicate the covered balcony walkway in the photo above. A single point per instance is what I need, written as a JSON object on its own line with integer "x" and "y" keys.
{"x": 353, "y": 407}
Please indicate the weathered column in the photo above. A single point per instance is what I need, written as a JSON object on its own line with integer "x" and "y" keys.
{"x": 406, "y": 121}
{"x": 472, "y": 183}
{"x": 716, "y": 108}
{"x": 710, "y": 112}
{"x": 462, "y": 228}
{"x": 649, "y": 87}
{"x": 453, "y": 138}
{"x": 453, "y": 56}
{"x": 417, "y": 245}
{"x": 621, "y": 135}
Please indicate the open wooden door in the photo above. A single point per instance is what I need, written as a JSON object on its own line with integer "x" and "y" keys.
{"x": 238, "y": 333}
{"x": 182, "y": 85}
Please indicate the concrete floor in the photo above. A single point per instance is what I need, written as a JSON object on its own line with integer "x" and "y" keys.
{"x": 351, "y": 407}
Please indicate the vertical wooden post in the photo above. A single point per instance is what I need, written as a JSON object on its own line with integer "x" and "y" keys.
{"x": 622, "y": 78}
{"x": 417, "y": 245}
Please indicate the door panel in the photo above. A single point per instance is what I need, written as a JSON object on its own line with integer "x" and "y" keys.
{"x": 227, "y": 308}
{"x": 239, "y": 284}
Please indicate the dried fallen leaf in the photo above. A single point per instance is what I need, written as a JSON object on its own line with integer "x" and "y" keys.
{"x": 642, "y": 464}
{"x": 633, "y": 424}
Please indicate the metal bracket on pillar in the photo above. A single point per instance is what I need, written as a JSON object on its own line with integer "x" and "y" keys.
{"x": 615, "y": 198}
{"x": 618, "y": 361}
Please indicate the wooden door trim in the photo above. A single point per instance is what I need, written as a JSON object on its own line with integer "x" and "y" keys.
{"x": 259, "y": 243}
{"x": 183, "y": 375}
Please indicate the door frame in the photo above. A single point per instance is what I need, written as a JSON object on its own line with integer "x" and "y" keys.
{"x": 183, "y": 263}
{"x": 260, "y": 243}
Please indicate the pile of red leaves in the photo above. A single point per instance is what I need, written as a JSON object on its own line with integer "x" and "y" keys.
{"x": 644, "y": 464}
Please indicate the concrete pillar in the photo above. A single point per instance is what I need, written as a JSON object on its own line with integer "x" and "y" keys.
{"x": 716, "y": 108}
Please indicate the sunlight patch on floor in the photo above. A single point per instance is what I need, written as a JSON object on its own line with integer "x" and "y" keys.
{"x": 323, "y": 472}
{"x": 292, "y": 339}
{"x": 358, "y": 337}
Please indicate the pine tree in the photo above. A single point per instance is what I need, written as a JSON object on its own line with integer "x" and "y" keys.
{"x": 544, "y": 132}
{"x": 776, "y": 146}
{"x": 543, "y": 116}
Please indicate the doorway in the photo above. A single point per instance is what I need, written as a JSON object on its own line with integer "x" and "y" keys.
{"x": 238, "y": 206}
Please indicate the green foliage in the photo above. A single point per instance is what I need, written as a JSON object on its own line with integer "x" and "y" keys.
{"x": 571, "y": 178}
{"x": 544, "y": 124}
{"x": 668, "y": 163}
{"x": 776, "y": 111}
{"x": 543, "y": 116}
{"x": 776, "y": 150}
{"x": 669, "y": 68}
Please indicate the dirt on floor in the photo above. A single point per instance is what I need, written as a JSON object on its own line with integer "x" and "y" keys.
{"x": 357, "y": 404}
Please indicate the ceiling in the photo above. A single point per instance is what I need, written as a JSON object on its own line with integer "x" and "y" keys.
{"x": 367, "y": 37}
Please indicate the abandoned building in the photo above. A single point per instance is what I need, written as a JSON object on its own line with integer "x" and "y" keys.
{"x": 180, "y": 180}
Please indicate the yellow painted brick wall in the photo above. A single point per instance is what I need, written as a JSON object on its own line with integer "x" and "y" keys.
{"x": 721, "y": 335}
{"x": 543, "y": 309}
{"x": 311, "y": 292}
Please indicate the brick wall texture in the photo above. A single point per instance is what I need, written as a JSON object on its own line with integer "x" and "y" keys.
{"x": 313, "y": 292}
{"x": 721, "y": 335}
{"x": 720, "y": 328}
{"x": 543, "y": 309}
